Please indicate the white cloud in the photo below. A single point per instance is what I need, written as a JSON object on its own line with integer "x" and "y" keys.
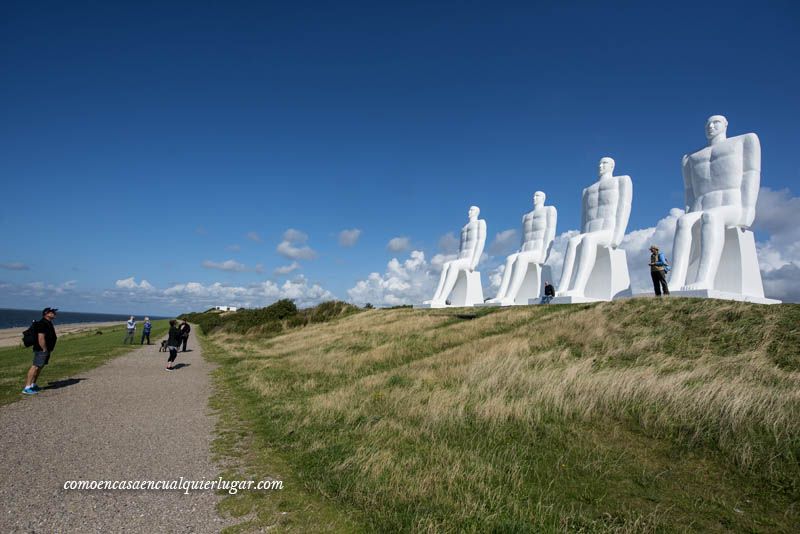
{"x": 14, "y": 266}
{"x": 178, "y": 297}
{"x": 449, "y": 243}
{"x": 286, "y": 269}
{"x": 227, "y": 265}
{"x": 253, "y": 236}
{"x": 409, "y": 282}
{"x": 782, "y": 283}
{"x": 348, "y": 238}
{"x": 495, "y": 279}
{"x": 130, "y": 284}
{"x": 287, "y": 250}
{"x": 291, "y": 247}
{"x": 295, "y": 236}
{"x": 399, "y": 244}
{"x": 779, "y": 255}
{"x": 234, "y": 248}
{"x": 194, "y": 295}
{"x": 504, "y": 242}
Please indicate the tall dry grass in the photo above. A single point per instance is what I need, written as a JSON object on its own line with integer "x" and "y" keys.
{"x": 421, "y": 407}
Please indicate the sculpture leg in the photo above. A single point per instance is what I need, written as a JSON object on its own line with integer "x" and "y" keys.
{"x": 452, "y": 276}
{"x": 569, "y": 261}
{"x": 501, "y": 293}
{"x": 681, "y": 248}
{"x": 437, "y": 296}
{"x": 713, "y": 239}
{"x": 520, "y": 271}
{"x": 586, "y": 259}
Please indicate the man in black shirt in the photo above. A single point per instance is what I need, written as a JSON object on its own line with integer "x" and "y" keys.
{"x": 45, "y": 343}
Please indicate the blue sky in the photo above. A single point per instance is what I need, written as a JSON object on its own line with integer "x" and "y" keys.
{"x": 159, "y": 141}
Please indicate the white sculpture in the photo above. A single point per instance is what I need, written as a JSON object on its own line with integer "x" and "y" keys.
{"x": 594, "y": 268}
{"x": 714, "y": 254}
{"x": 459, "y": 280}
{"x": 522, "y": 277}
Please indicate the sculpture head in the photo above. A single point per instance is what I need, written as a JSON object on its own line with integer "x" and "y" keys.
{"x": 606, "y": 166}
{"x": 538, "y": 199}
{"x": 715, "y": 125}
{"x": 474, "y": 211}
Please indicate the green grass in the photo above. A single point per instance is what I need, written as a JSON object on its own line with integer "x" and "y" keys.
{"x": 74, "y": 354}
{"x": 636, "y": 416}
{"x": 245, "y": 456}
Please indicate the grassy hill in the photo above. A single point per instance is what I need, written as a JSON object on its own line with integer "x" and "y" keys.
{"x": 632, "y": 416}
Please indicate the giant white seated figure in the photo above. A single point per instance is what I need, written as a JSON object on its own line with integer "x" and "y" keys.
{"x": 594, "y": 268}
{"x": 459, "y": 280}
{"x": 714, "y": 254}
{"x": 522, "y": 277}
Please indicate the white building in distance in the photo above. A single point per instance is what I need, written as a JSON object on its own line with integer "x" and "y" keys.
{"x": 225, "y": 308}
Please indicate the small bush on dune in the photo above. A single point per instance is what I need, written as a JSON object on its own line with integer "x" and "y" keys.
{"x": 271, "y": 320}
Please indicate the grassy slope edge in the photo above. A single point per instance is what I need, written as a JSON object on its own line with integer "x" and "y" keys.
{"x": 629, "y": 416}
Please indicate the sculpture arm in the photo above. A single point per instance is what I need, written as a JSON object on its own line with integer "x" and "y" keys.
{"x": 478, "y": 251}
{"x": 688, "y": 192}
{"x": 751, "y": 179}
{"x": 623, "y": 210}
{"x": 550, "y": 232}
{"x": 584, "y": 211}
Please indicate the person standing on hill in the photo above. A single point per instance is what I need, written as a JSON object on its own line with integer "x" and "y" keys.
{"x": 185, "y": 329}
{"x": 549, "y": 293}
{"x": 131, "y": 326}
{"x": 146, "y": 330}
{"x": 173, "y": 342}
{"x": 658, "y": 271}
{"x": 45, "y": 335}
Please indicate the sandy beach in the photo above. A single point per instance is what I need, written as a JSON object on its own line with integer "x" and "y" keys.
{"x": 13, "y": 336}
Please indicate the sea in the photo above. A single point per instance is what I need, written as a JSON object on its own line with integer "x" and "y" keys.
{"x": 13, "y": 318}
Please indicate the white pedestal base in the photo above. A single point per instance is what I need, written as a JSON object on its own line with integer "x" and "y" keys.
{"x": 609, "y": 279}
{"x": 722, "y": 295}
{"x": 467, "y": 292}
{"x": 738, "y": 276}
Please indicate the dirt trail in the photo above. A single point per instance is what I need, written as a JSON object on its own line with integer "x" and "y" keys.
{"x": 129, "y": 419}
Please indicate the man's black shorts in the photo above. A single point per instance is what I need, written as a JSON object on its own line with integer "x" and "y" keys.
{"x": 40, "y": 359}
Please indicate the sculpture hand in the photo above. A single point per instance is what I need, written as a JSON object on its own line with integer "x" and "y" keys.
{"x": 748, "y": 216}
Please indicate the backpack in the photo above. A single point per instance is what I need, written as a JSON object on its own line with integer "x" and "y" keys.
{"x": 29, "y": 335}
{"x": 663, "y": 259}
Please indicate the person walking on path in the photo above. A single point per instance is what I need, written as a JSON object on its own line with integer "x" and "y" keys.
{"x": 549, "y": 293}
{"x": 185, "y": 329}
{"x": 658, "y": 271}
{"x": 46, "y": 338}
{"x": 146, "y": 330}
{"x": 173, "y": 342}
{"x": 131, "y": 325}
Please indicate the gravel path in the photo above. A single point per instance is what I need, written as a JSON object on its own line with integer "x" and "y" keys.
{"x": 129, "y": 419}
